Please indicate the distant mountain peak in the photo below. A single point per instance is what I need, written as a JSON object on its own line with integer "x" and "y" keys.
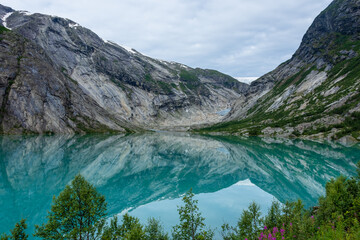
{"x": 5, "y": 9}
{"x": 5, "y": 12}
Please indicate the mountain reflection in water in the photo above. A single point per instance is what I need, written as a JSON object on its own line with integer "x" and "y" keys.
{"x": 147, "y": 172}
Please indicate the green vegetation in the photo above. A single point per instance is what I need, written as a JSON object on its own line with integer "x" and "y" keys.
{"x": 87, "y": 125}
{"x": 351, "y": 125}
{"x": 191, "y": 224}
{"x": 154, "y": 230}
{"x": 174, "y": 85}
{"x": 257, "y": 113}
{"x": 336, "y": 216}
{"x": 190, "y": 79}
{"x": 254, "y": 131}
{"x": 247, "y": 227}
{"x": 167, "y": 88}
{"x": 191, "y": 83}
{"x": 164, "y": 87}
{"x": 79, "y": 212}
{"x": 130, "y": 228}
{"x": 3, "y": 29}
{"x": 336, "y": 48}
{"x": 148, "y": 78}
{"x": 18, "y": 233}
{"x": 182, "y": 87}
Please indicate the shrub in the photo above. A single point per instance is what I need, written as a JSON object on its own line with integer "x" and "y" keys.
{"x": 18, "y": 233}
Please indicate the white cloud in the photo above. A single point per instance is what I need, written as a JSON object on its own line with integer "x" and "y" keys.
{"x": 238, "y": 37}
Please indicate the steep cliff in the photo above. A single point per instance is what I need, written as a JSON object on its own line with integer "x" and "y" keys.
{"x": 59, "y": 77}
{"x": 315, "y": 94}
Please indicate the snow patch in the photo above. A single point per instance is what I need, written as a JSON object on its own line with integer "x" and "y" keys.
{"x": 130, "y": 50}
{"x": 162, "y": 61}
{"x": 179, "y": 64}
{"x": 184, "y": 66}
{"x": 26, "y": 13}
{"x": 74, "y": 25}
{"x": 4, "y": 19}
{"x": 247, "y": 80}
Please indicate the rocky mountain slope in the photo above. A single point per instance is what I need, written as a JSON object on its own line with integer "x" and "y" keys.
{"x": 316, "y": 93}
{"x": 58, "y": 77}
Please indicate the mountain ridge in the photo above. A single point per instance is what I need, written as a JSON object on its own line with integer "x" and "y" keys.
{"x": 105, "y": 87}
{"x": 109, "y": 88}
{"x": 315, "y": 94}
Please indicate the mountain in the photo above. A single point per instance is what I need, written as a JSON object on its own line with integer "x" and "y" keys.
{"x": 315, "y": 94}
{"x": 59, "y": 77}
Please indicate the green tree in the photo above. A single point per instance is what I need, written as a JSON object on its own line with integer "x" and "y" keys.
{"x": 77, "y": 213}
{"x": 228, "y": 232}
{"x": 273, "y": 218}
{"x": 358, "y": 170}
{"x": 4, "y": 237}
{"x": 248, "y": 226}
{"x": 250, "y": 222}
{"x": 192, "y": 224}
{"x": 342, "y": 199}
{"x": 18, "y": 233}
{"x": 154, "y": 230}
{"x": 129, "y": 229}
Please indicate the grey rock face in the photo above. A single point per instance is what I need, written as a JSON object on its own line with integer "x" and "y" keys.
{"x": 36, "y": 98}
{"x": 95, "y": 85}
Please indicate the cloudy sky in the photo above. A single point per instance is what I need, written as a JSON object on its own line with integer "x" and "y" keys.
{"x": 243, "y": 38}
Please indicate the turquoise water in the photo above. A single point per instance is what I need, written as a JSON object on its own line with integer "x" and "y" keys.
{"x": 147, "y": 174}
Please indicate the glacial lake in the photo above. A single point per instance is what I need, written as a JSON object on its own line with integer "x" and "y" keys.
{"x": 147, "y": 174}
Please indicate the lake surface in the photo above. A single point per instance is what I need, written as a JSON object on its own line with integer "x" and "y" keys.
{"x": 146, "y": 175}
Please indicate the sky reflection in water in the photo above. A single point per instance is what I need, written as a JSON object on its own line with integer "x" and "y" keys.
{"x": 149, "y": 173}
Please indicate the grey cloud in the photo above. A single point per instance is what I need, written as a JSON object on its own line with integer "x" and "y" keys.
{"x": 237, "y": 37}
